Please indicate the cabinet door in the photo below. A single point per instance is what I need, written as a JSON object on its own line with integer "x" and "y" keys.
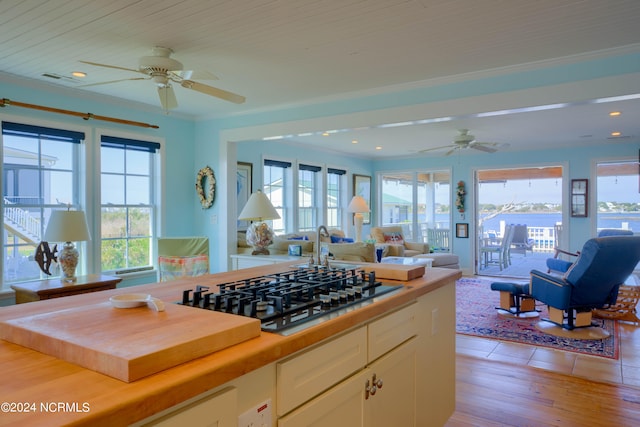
{"x": 341, "y": 405}
{"x": 393, "y": 404}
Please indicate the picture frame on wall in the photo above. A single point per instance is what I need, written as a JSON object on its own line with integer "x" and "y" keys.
{"x": 244, "y": 188}
{"x": 579, "y": 198}
{"x": 362, "y": 187}
{"x": 462, "y": 230}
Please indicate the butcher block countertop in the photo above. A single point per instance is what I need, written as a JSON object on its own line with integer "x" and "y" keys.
{"x": 91, "y": 398}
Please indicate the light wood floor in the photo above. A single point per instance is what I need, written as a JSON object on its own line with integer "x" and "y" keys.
{"x": 491, "y": 393}
{"x": 506, "y": 384}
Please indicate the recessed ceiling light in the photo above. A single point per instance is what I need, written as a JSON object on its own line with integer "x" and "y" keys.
{"x": 616, "y": 133}
{"x": 325, "y": 133}
{"x": 615, "y": 113}
{"x": 78, "y": 74}
{"x": 378, "y": 148}
{"x": 354, "y": 141}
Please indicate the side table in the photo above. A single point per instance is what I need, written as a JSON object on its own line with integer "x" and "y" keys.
{"x": 55, "y": 288}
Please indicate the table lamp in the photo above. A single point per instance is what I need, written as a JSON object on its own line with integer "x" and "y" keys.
{"x": 259, "y": 234}
{"x": 358, "y": 206}
{"x": 67, "y": 226}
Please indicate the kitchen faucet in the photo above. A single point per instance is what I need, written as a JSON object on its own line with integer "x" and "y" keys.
{"x": 322, "y": 231}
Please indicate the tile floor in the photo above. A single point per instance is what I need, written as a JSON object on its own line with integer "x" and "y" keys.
{"x": 625, "y": 370}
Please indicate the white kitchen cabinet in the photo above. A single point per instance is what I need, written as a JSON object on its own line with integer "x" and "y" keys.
{"x": 360, "y": 401}
{"x": 380, "y": 393}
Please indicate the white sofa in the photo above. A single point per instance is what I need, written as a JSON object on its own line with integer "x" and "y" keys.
{"x": 393, "y": 238}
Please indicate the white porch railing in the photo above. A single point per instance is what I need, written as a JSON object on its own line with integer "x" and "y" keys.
{"x": 23, "y": 219}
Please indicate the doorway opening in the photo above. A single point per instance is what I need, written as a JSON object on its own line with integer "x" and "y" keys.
{"x": 518, "y": 218}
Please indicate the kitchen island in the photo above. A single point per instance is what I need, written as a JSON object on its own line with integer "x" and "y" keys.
{"x": 412, "y": 329}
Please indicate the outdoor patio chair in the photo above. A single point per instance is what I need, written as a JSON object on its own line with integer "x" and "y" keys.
{"x": 592, "y": 282}
{"x": 521, "y": 243}
{"x": 501, "y": 249}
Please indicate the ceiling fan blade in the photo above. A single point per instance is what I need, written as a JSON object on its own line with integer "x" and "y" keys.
{"x": 434, "y": 148}
{"x": 210, "y": 90}
{"x": 450, "y": 152}
{"x": 486, "y": 147}
{"x": 167, "y": 98}
{"x": 112, "y": 81}
{"x": 110, "y": 66}
{"x": 194, "y": 74}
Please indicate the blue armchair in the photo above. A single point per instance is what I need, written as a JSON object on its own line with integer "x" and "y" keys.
{"x": 559, "y": 265}
{"x": 591, "y": 282}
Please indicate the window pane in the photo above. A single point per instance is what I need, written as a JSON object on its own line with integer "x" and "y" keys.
{"x": 60, "y": 189}
{"x": 139, "y": 222}
{"x": 57, "y": 154}
{"x": 139, "y": 254}
{"x": 137, "y": 190}
{"x": 138, "y": 162}
{"x": 112, "y": 160}
{"x": 112, "y": 189}
{"x": 114, "y": 222}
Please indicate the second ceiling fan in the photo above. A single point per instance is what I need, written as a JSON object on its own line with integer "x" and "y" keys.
{"x": 465, "y": 140}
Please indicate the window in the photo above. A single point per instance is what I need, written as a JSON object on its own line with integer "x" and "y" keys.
{"x": 127, "y": 202}
{"x": 420, "y": 203}
{"x": 335, "y": 191}
{"x": 618, "y": 195}
{"x": 276, "y": 181}
{"x": 40, "y": 173}
{"x": 308, "y": 194}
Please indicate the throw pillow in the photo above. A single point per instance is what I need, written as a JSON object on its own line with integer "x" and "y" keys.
{"x": 339, "y": 239}
{"x": 299, "y": 238}
{"x": 393, "y": 238}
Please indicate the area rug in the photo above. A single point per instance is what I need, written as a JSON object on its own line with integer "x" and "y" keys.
{"x": 476, "y": 315}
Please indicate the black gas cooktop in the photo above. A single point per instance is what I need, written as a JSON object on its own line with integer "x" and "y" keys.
{"x": 290, "y": 301}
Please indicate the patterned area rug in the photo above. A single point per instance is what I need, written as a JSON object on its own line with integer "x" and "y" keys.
{"x": 476, "y": 315}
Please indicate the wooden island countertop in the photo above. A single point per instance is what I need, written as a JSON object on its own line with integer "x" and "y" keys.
{"x": 33, "y": 380}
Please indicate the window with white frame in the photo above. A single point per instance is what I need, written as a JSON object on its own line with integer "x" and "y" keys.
{"x": 420, "y": 203}
{"x": 276, "y": 181}
{"x": 308, "y": 196}
{"x": 335, "y": 196}
{"x": 128, "y": 209}
{"x": 40, "y": 174}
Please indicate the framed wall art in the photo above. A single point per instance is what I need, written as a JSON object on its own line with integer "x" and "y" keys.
{"x": 244, "y": 188}
{"x": 362, "y": 187}
{"x": 579, "y": 197}
{"x": 462, "y": 230}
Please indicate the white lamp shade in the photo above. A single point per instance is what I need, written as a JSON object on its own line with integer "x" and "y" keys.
{"x": 258, "y": 208}
{"x": 358, "y": 205}
{"x": 67, "y": 226}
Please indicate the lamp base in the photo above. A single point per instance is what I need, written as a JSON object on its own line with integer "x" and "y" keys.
{"x": 259, "y": 236}
{"x": 68, "y": 259}
{"x": 358, "y": 220}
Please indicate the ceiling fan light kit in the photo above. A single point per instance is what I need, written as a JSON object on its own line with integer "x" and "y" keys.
{"x": 163, "y": 70}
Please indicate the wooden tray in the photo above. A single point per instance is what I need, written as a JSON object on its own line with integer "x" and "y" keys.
{"x": 131, "y": 343}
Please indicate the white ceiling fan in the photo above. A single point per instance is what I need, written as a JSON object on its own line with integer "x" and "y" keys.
{"x": 465, "y": 140}
{"x": 164, "y": 70}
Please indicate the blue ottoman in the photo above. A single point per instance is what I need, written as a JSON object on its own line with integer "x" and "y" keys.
{"x": 515, "y": 299}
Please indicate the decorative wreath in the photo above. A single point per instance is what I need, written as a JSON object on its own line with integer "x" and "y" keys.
{"x": 460, "y": 193}
{"x": 206, "y": 174}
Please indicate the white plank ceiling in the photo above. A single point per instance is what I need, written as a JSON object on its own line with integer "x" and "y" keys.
{"x": 295, "y": 52}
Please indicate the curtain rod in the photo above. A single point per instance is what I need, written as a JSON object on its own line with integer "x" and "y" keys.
{"x": 85, "y": 116}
